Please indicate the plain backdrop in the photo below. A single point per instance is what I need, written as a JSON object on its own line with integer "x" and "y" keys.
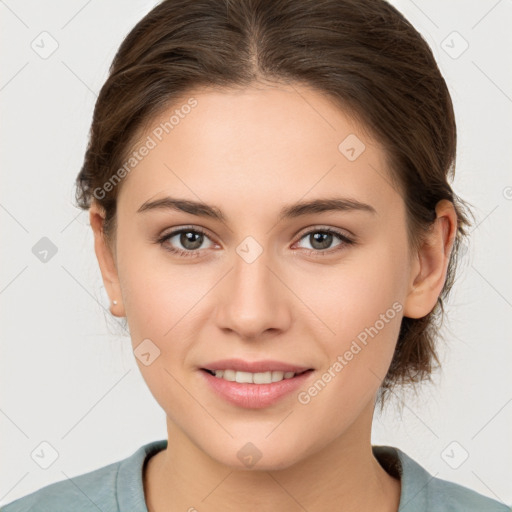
{"x": 68, "y": 376}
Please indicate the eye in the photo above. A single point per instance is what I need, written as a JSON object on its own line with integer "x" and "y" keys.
{"x": 321, "y": 240}
{"x": 191, "y": 239}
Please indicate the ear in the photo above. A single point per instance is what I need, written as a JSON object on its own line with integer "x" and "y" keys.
{"x": 106, "y": 260}
{"x": 431, "y": 263}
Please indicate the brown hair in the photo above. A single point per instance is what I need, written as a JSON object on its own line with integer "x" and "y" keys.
{"x": 363, "y": 55}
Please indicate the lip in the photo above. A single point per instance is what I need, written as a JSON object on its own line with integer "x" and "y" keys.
{"x": 254, "y": 396}
{"x": 254, "y": 366}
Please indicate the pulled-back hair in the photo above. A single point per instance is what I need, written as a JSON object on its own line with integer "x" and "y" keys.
{"x": 361, "y": 54}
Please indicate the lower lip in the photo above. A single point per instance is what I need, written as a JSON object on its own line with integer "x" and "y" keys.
{"x": 255, "y": 396}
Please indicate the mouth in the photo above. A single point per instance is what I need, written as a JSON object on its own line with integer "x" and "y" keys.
{"x": 254, "y": 385}
{"x": 243, "y": 377}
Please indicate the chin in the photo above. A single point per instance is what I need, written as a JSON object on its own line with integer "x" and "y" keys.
{"x": 249, "y": 456}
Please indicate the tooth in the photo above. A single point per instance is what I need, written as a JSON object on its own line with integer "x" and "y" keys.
{"x": 262, "y": 378}
{"x": 253, "y": 378}
{"x": 277, "y": 376}
{"x": 229, "y": 375}
{"x": 243, "y": 377}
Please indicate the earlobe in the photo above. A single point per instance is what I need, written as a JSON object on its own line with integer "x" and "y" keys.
{"x": 106, "y": 260}
{"x": 428, "y": 274}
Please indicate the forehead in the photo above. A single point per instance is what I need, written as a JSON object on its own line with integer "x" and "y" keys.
{"x": 260, "y": 146}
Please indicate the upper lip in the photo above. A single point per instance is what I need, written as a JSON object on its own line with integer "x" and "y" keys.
{"x": 254, "y": 366}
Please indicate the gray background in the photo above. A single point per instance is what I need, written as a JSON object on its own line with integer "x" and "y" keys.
{"x": 68, "y": 376}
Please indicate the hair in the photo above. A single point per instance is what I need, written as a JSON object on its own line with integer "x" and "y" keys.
{"x": 363, "y": 55}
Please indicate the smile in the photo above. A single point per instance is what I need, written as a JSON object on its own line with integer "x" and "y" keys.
{"x": 254, "y": 390}
{"x": 252, "y": 378}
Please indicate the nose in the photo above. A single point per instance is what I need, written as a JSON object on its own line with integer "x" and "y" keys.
{"x": 253, "y": 300}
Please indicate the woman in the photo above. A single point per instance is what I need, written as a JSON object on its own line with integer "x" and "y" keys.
{"x": 267, "y": 187}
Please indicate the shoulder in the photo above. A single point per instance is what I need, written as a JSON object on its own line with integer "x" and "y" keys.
{"x": 89, "y": 491}
{"x": 422, "y": 492}
{"x": 454, "y": 497}
{"x": 102, "y": 489}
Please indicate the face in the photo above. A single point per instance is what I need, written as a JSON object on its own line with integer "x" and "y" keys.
{"x": 255, "y": 278}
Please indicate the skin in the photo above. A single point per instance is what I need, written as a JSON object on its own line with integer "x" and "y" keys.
{"x": 250, "y": 152}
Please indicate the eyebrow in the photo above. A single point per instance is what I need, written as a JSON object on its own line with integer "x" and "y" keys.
{"x": 287, "y": 212}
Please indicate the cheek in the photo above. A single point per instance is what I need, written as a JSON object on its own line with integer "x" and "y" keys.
{"x": 159, "y": 299}
{"x": 366, "y": 328}
{"x": 157, "y": 292}
{"x": 353, "y": 294}
{"x": 360, "y": 306}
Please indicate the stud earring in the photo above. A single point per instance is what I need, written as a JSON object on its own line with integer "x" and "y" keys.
{"x": 114, "y": 302}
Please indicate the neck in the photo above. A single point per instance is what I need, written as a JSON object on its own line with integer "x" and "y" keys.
{"x": 343, "y": 476}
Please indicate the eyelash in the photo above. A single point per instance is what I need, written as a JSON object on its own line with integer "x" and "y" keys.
{"x": 195, "y": 253}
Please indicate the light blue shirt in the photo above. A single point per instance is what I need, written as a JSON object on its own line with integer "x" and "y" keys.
{"x": 118, "y": 487}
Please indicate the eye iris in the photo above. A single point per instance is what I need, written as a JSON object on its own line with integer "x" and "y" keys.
{"x": 188, "y": 236}
{"x": 324, "y": 239}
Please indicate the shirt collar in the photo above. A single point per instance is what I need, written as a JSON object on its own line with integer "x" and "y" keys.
{"x": 129, "y": 485}
{"x": 414, "y": 479}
